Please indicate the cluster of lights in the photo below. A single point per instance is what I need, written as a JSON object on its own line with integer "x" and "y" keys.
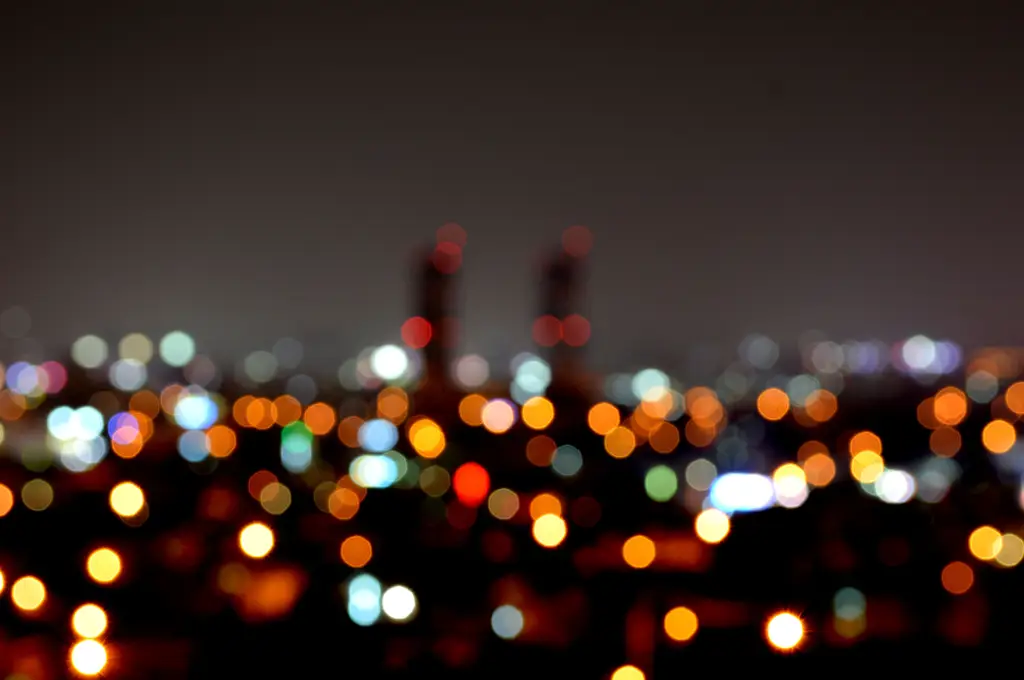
{"x": 646, "y": 408}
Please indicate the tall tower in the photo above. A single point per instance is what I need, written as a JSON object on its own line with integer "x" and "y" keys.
{"x": 436, "y": 328}
{"x": 561, "y": 328}
{"x": 438, "y": 318}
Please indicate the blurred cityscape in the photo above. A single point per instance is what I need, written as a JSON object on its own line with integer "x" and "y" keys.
{"x": 162, "y": 516}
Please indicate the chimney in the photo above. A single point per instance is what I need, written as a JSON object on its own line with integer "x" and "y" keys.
{"x": 561, "y": 328}
{"x": 438, "y": 323}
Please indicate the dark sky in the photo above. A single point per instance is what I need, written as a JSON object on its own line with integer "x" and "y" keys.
{"x": 247, "y": 173}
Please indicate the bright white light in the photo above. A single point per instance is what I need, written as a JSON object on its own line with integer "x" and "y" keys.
{"x": 919, "y": 353}
{"x": 61, "y": 423}
{"x": 742, "y": 492}
{"x": 177, "y": 348}
{"x": 647, "y": 382}
{"x": 88, "y": 657}
{"x": 895, "y": 486}
{"x": 389, "y": 362}
{"x": 128, "y": 375}
{"x": 87, "y": 423}
{"x": 507, "y": 622}
{"x": 373, "y": 471}
{"x": 195, "y": 412}
{"x": 790, "y": 485}
{"x": 532, "y": 376}
{"x": 399, "y": 603}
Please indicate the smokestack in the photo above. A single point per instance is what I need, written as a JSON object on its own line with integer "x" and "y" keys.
{"x": 561, "y": 328}
{"x": 436, "y": 328}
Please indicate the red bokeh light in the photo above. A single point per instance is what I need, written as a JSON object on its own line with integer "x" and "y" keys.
{"x": 547, "y": 331}
{"x": 577, "y": 241}
{"x": 416, "y": 332}
{"x": 472, "y": 483}
{"x": 447, "y": 257}
{"x": 452, "y": 232}
{"x": 576, "y": 330}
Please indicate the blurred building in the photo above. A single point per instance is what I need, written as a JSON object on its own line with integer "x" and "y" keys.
{"x": 438, "y": 319}
{"x": 561, "y": 329}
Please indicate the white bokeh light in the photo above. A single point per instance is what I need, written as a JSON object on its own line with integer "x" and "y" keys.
{"x": 398, "y": 603}
{"x": 389, "y": 362}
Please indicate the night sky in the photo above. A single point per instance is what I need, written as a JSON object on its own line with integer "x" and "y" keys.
{"x": 248, "y": 173}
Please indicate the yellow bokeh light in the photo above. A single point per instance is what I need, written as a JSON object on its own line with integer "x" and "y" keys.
{"x": 999, "y": 436}
{"x": 88, "y": 657}
{"x": 28, "y": 593}
{"x": 639, "y": 551}
{"x": 427, "y": 438}
{"x": 538, "y": 413}
{"x": 680, "y": 624}
{"x": 256, "y": 540}
{"x": 784, "y": 631}
{"x": 985, "y": 542}
{"x": 628, "y": 673}
{"x": 867, "y": 466}
{"x": 620, "y": 442}
{"x": 773, "y": 404}
{"x": 498, "y": 416}
{"x": 712, "y": 525}
{"x": 89, "y": 621}
{"x": 103, "y": 565}
{"x": 549, "y": 530}
{"x": 127, "y": 499}
{"x": 2, "y": 582}
{"x": 603, "y": 418}
{"x": 1011, "y": 552}
{"x": 790, "y": 477}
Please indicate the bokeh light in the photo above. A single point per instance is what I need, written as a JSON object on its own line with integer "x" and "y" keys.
{"x": 103, "y": 565}
{"x": 28, "y": 593}
{"x": 89, "y": 621}
{"x": 985, "y": 542}
{"x": 784, "y": 631}
{"x": 628, "y": 673}
{"x": 127, "y": 499}
{"x": 712, "y": 525}
{"x": 549, "y": 530}
{"x": 88, "y": 657}
{"x": 256, "y": 540}
{"x": 639, "y": 551}
{"x": 680, "y": 624}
